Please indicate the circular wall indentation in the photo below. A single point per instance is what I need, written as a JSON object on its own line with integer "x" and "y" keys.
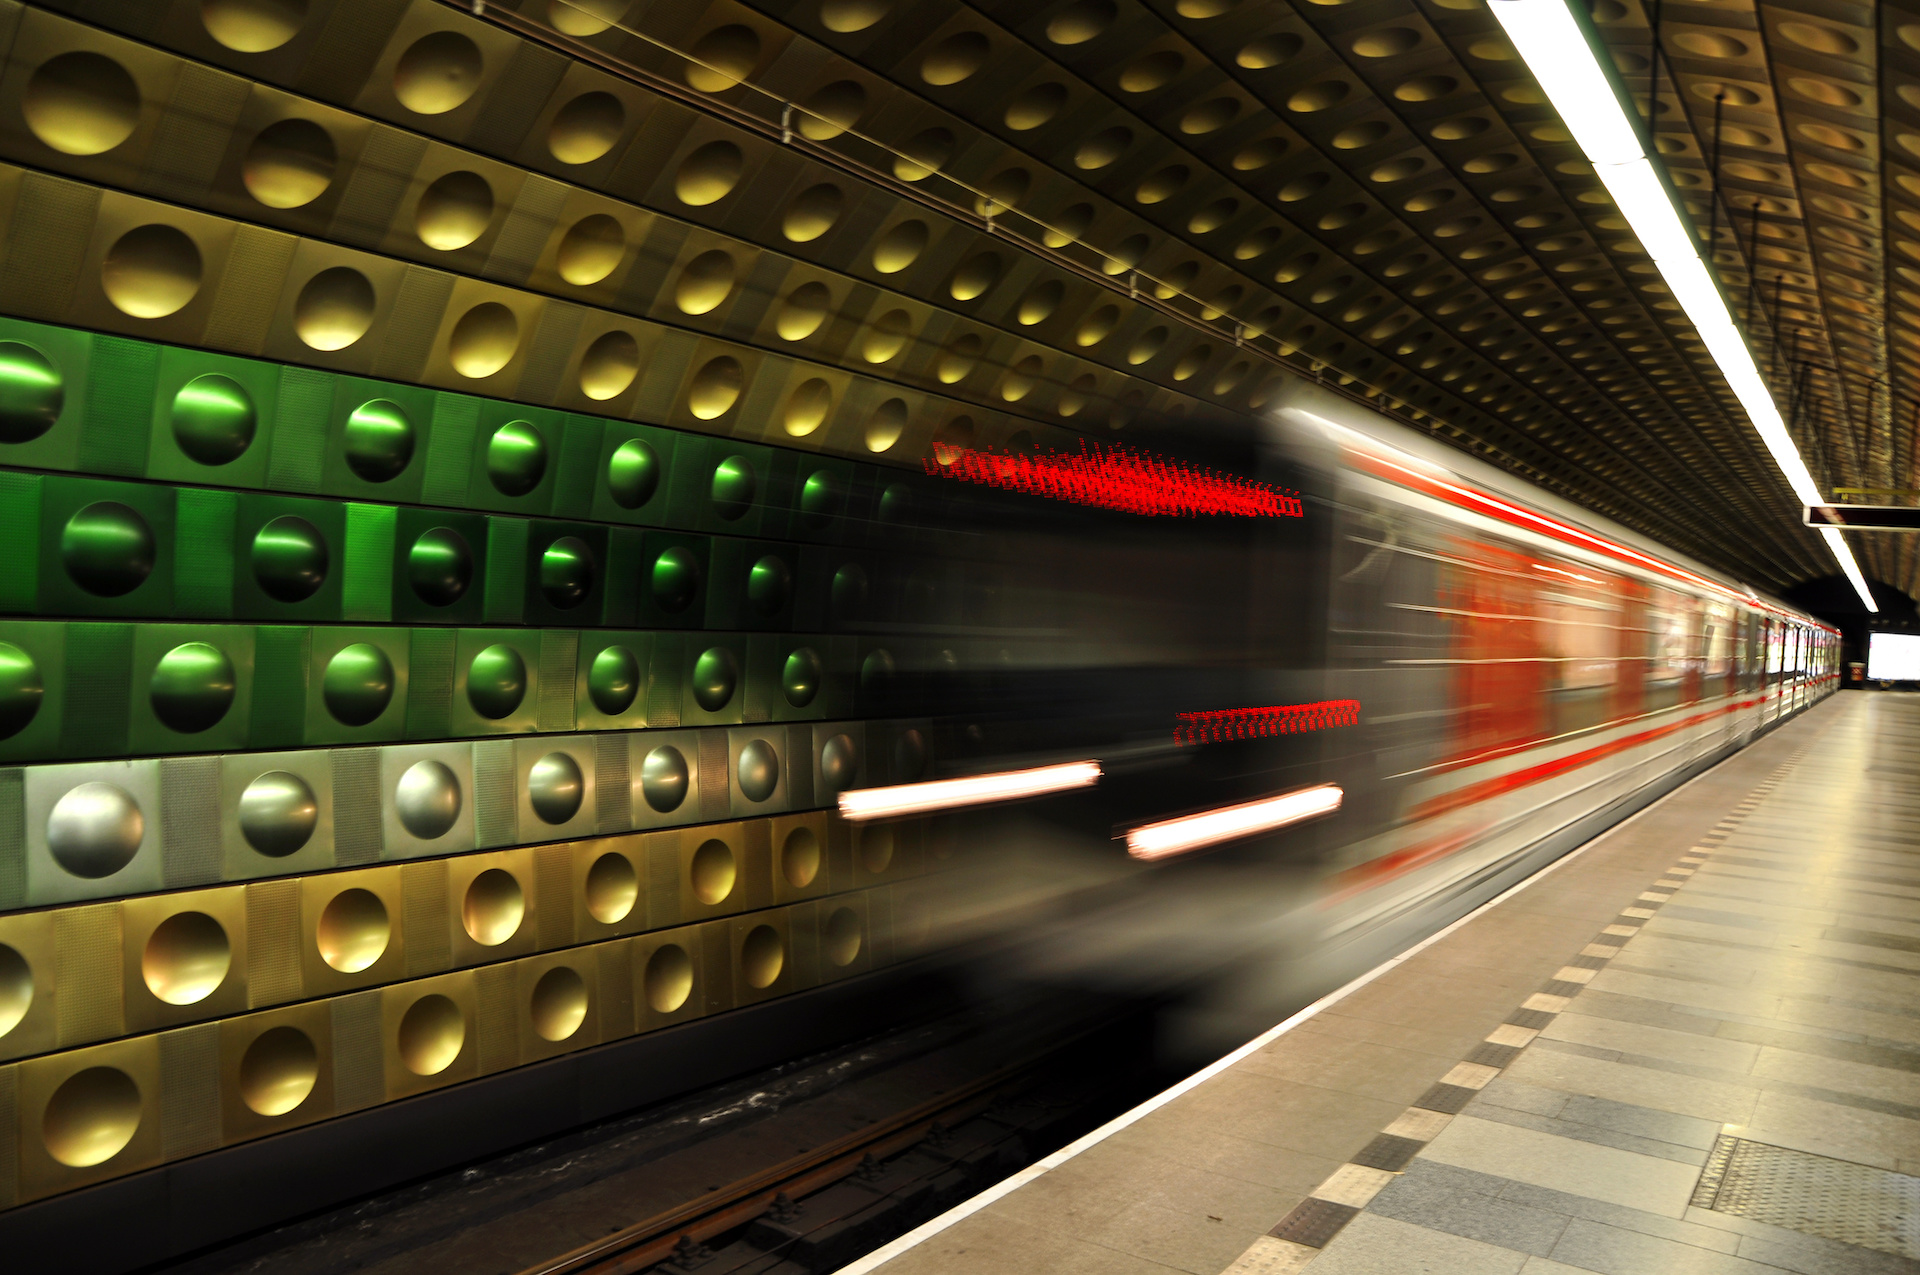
{"x": 821, "y": 498}
{"x": 1039, "y": 304}
{"x": 663, "y": 778}
{"x": 613, "y": 887}
{"x": 253, "y": 26}
{"x": 432, "y": 1032}
{"x": 32, "y": 393}
{"x": 559, "y": 1004}
{"x": 769, "y": 585}
{"x": 21, "y": 690}
{"x": 974, "y": 277}
{"x": 516, "y": 458}
{"x": 586, "y": 128}
{"x": 849, "y": 591}
{"x": 493, "y": 907}
{"x": 16, "y": 989}
{"x": 812, "y": 213}
{"x": 1035, "y": 106}
{"x": 484, "y": 340}
{"x": 909, "y": 755}
{"x": 900, "y": 247}
{"x": 886, "y": 336}
{"x": 358, "y": 684}
{"x": 800, "y": 676}
{"x": 876, "y": 847}
{"x": 1151, "y": 71}
{"x": 555, "y": 788}
{"x": 289, "y": 559}
{"x": 876, "y": 675}
{"x": 613, "y": 680}
{"x": 496, "y": 682}
{"x": 669, "y": 978}
{"x": 186, "y": 958}
{"x": 590, "y": 250}
{"x": 278, "y": 1071}
{"x": 81, "y": 103}
{"x": 803, "y": 311}
{"x": 762, "y": 956}
{"x": 192, "y": 687}
{"x": 585, "y": 17}
{"x": 91, "y": 1117}
{"x": 378, "y": 440}
{"x": 832, "y": 109}
{"x": 353, "y": 930}
{"x": 566, "y": 573}
{"x": 705, "y": 282}
{"x": 733, "y": 487}
{"x": 675, "y": 579}
{"x": 453, "y": 211}
{"x": 708, "y": 174}
{"x": 95, "y": 829}
{"x": 440, "y": 566}
{"x": 716, "y": 388}
{"x": 437, "y": 73}
{"x": 633, "y": 473}
{"x": 839, "y": 763}
{"x": 841, "y": 943}
{"x": 108, "y": 549}
{"x": 807, "y": 407}
{"x": 715, "y": 675}
{"x": 722, "y": 58}
{"x": 278, "y": 813}
{"x": 427, "y": 799}
{"x": 800, "y": 857}
{"x": 213, "y": 419}
{"x": 955, "y": 58}
{"x": 758, "y": 769}
{"x": 1081, "y": 21}
{"x": 151, "y": 271}
{"x": 959, "y": 359}
{"x": 609, "y": 365}
{"x": 712, "y": 871}
{"x": 335, "y": 309}
{"x": 289, "y": 164}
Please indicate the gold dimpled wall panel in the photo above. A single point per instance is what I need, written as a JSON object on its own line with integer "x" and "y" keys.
{"x": 460, "y": 554}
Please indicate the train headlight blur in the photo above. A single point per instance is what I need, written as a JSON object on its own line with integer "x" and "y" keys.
{"x": 1172, "y": 837}
{"x": 974, "y": 790}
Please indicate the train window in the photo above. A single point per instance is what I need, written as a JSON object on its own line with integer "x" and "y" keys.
{"x": 1667, "y": 650}
{"x": 1717, "y": 650}
{"x": 1580, "y": 619}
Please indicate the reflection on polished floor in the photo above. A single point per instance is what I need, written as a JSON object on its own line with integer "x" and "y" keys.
{"x": 1693, "y": 1047}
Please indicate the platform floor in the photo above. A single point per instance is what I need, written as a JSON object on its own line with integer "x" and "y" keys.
{"x": 1693, "y": 1047}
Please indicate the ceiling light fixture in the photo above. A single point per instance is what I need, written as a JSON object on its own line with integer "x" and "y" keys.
{"x": 1556, "y": 49}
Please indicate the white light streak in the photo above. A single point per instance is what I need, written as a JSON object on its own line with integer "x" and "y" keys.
{"x": 1558, "y": 54}
{"x": 974, "y": 790}
{"x": 1230, "y": 823}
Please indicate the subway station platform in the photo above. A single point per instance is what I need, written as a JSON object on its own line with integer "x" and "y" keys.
{"x": 1691, "y": 1046}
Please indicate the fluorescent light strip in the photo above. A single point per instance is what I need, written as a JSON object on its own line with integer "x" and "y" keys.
{"x": 1557, "y": 52}
{"x": 975, "y": 790}
{"x": 1230, "y": 823}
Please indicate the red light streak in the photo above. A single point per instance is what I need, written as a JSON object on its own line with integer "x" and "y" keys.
{"x": 1258, "y": 723}
{"x": 1116, "y": 478}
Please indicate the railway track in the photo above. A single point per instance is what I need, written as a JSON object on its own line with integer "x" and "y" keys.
{"x": 820, "y": 1207}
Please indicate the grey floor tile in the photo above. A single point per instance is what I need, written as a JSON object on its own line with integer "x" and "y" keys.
{"x": 1442, "y": 1204}
{"x": 1375, "y": 1245}
{"x": 1564, "y": 1164}
{"x": 1610, "y": 1250}
{"x": 1605, "y": 1135}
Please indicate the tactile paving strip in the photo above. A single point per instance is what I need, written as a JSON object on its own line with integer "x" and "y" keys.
{"x": 1838, "y": 1199}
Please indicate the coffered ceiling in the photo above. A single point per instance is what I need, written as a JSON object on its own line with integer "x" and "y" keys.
{"x": 1378, "y": 193}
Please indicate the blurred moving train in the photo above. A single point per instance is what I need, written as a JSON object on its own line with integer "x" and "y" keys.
{"x": 1490, "y": 676}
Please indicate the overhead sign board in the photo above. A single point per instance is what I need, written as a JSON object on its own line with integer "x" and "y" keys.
{"x": 1864, "y": 517}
